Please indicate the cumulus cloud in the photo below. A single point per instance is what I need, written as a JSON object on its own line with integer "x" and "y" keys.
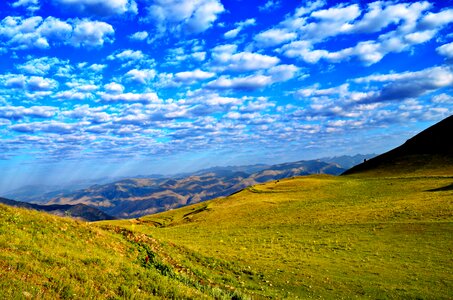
{"x": 98, "y": 7}
{"x": 274, "y": 37}
{"x": 29, "y": 5}
{"x": 91, "y": 33}
{"x": 409, "y": 84}
{"x": 189, "y": 77}
{"x": 225, "y": 58}
{"x": 252, "y": 82}
{"x": 32, "y": 83}
{"x": 183, "y": 16}
{"x": 270, "y": 5}
{"x": 142, "y": 76}
{"x": 48, "y": 126}
{"x": 19, "y": 112}
{"x": 131, "y": 97}
{"x": 446, "y": 50}
{"x": 114, "y": 88}
{"x": 139, "y": 36}
{"x": 40, "y": 66}
{"x": 36, "y": 32}
{"x": 127, "y": 55}
{"x": 282, "y": 72}
{"x": 400, "y": 27}
{"x": 231, "y": 34}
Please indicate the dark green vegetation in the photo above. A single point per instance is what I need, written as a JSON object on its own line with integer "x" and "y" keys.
{"x": 136, "y": 197}
{"x": 78, "y": 211}
{"x": 431, "y": 149}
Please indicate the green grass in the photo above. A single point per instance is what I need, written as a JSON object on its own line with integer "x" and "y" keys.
{"x": 306, "y": 237}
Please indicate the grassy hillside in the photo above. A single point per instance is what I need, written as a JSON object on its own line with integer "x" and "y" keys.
{"x": 321, "y": 236}
{"x": 315, "y": 236}
{"x": 429, "y": 151}
{"x": 48, "y": 257}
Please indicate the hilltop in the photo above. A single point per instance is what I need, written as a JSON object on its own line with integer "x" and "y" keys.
{"x": 429, "y": 151}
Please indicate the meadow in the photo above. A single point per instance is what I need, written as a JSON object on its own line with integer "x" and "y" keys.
{"x": 319, "y": 236}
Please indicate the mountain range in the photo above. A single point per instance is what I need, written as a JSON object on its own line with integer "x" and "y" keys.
{"x": 78, "y": 211}
{"x": 135, "y": 197}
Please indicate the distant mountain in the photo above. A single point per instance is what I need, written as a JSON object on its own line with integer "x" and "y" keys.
{"x": 42, "y": 193}
{"x": 431, "y": 149}
{"x": 348, "y": 161}
{"x": 136, "y": 197}
{"x": 78, "y": 211}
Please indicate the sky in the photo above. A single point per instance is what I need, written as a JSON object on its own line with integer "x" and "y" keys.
{"x": 96, "y": 88}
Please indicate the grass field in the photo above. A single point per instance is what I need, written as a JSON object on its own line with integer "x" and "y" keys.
{"x": 306, "y": 237}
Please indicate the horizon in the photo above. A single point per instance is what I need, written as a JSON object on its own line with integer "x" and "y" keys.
{"x": 94, "y": 89}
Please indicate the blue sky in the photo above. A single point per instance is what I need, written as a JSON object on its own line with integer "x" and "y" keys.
{"x": 92, "y": 88}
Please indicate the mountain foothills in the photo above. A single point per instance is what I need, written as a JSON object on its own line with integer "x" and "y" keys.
{"x": 382, "y": 233}
{"x": 135, "y": 197}
{"x": 78, "y": 211}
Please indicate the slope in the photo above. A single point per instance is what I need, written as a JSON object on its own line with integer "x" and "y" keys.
{"x": 78, "y": 211}
{"x": 314, "y": 236}
{"x": 48, "y": 257}
{"x": 431, "y": 150}
{"x": 319, "y": 236}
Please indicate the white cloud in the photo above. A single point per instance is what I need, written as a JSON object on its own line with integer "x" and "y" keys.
{"x": 442, "y": 98}
{"x": 400, "y": 86}
{"x": 98, "y": 7}
{"x": 282, "y": 72}
{"x": 36, "y": 32}
{"x": 251, "y": 82}
{"x": 139, "y": 36}
{"x": 183, "y": 16}
{"x": 225, "y": 58}
{"x": 18, "y": 112}
{"x": 240, "y": 26}
{"x": 114, "y": 88}
{"x": 33, "y": 83}
{"x": 412, "y": 27}
{"x": 142, "y": 76}
{"x": 274, "y": 37}
{"x": 127, "y": 55}
{"x": 131, "y": 97}
{"x": 40, "y": 66}
{"x": 91, "y": 33}
{"x": 73, "y": 95}
{"x": 270, "y": 5}
{"x": 436, "y": 20}
{"x": 446, "y": 50}
{"x": 192, "y": 76}
{"x": 37, "y": 83}
{"x": 30, "y": 5}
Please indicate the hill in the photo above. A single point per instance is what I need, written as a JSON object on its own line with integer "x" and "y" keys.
{"x": 135, "y": 197}
{"x": 306, "y": 237}
{"x": 429, "y": 151}
{"x": 78, "y": 211}
{"x": 319, "y": 237}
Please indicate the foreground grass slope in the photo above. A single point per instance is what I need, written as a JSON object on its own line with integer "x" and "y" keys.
{"x": 49, "y": 257}
{"x": 314, "y": 236}
{"x": 334, "y": 237}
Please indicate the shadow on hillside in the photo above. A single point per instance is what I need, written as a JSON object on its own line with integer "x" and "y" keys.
{"x": 444, "y": 188}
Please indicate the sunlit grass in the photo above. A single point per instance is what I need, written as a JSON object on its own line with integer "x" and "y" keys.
{"x": 315, "y": 236}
